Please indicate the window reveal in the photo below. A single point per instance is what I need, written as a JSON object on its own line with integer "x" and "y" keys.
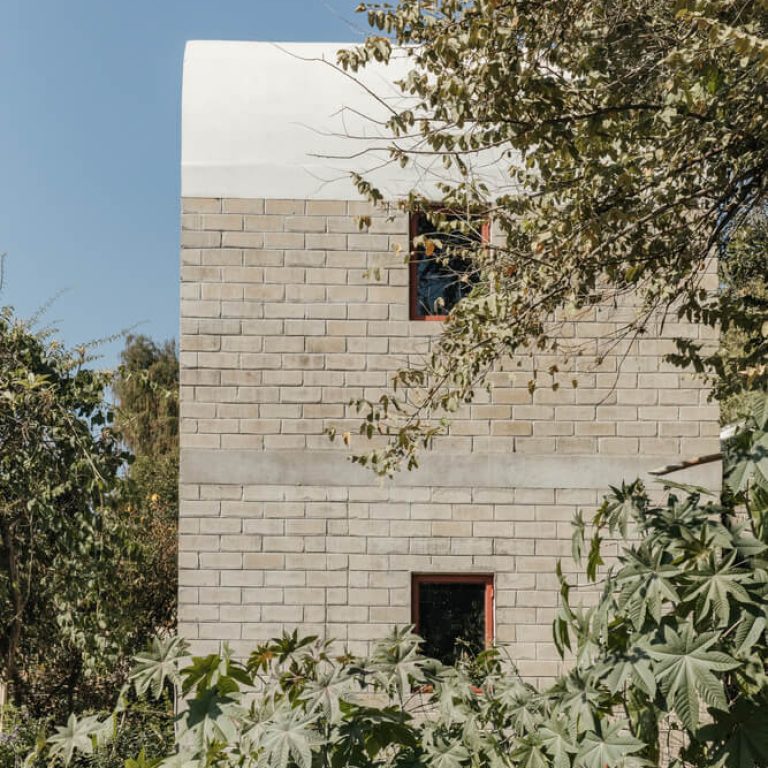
{"x": 453, "y": 614}
{"x": 439, "y": 280}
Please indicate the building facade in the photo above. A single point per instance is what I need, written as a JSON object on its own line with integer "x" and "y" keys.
{"x": 288, "y": 312}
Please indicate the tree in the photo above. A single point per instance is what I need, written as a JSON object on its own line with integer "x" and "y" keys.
{"x": 632, "y": 139}
{"x": 146, "y": 387}
{"x": 740, "y": 366}
{"x": 60, "y": 541}
{"x": 147, "y": 394}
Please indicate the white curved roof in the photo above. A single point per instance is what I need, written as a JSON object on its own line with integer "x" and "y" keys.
{"x": 277, "y": 120}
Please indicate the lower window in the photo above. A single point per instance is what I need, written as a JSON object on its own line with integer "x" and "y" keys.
{"x": 453, "y": 614}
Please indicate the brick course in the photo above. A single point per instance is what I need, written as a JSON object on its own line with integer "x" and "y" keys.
{"x": 281, "y": 327}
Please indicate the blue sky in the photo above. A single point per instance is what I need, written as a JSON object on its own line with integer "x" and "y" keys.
{"x": 89, "y": 148}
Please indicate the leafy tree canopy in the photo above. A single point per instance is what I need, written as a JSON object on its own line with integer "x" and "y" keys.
{"x": 147, "y": 391}
{"x": 146, "y": 387}
{"x": 634, "y": 140}
{"x": 88, "y": 548}
{"x": 740, "y": 365}
{"x": 58, "y": 466}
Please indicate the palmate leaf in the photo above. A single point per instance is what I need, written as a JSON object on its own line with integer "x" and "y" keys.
{"x": 215, "y": 670}
{"x": 645, "y": 582}
{"x": 714, "y": 587}
{"x": 520, "y": 702}
{"x": 745, "y": 542}
{"x": 621, "y": 506}
{"x": 630, "y": 668}
{"x": 611, "y": 748}
{"x": 581, "y": 700}
{"x": 288, "y": 735}
{"x": 78, "y": 735}
{"x": 679, "y": 520}
{"x": 451, "y": 700}
{"x": 529, "y": 754}
{"x": 323, "y": 693}
{"x": 213, "y": 717}
{"x": 758, "y": 410}
{"x": 684, "y": 668}
{"x": 747, "y": 461}
{"x": 159, "y": 665}
{"x": 585, "y": 624}
{"x": 364, "y": 731}
{"x": 396, "y": 661}
{"x": 697, "y": 547}
{"x": 442, "y": 753}
{"x": 558, "y": 741}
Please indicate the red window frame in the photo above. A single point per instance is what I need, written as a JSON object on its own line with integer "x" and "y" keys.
{"x": 417, "y": 579}
{"x": 413, "y": 274}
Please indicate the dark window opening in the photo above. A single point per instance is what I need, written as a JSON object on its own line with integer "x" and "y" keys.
{"x": 440, "y": 278}
{"x": 453, "y": 614}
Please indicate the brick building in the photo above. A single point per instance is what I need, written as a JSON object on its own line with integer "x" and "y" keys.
{"x": 281, "y": 326}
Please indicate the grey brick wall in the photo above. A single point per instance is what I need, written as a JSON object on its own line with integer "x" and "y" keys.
{"x": 281, "y": 326}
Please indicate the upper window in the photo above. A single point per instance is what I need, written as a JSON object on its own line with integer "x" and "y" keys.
{"x": 439, "y": 275}
{"x": 453, "y": 614}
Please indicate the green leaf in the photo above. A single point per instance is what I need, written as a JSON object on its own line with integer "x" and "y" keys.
{"x": 632, "y": 667}
{"x": 529, "y": 754}
{"x": 750, "y": 630}
{"x": 685, "y": 670}
{"x": 558, "y": 741}
{"x": 714, "y": 586}
{"x": 758, "y": 410}
{"x": 78, "y": 735}
{"x": 646, "y": 581}
{"x": 396, "y": 662}
{"x": 607, "y": 749}
{"x": 747, "y": 461}
{"x": 442, "y": 753}
{"x": 288, "y": 735}
{"x": 324, "y": 692}
{"x": 577, "y": 538}
{"x": 158, "y": 666}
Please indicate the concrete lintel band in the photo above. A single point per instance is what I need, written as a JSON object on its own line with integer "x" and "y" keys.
{"x": 328, "y": 468}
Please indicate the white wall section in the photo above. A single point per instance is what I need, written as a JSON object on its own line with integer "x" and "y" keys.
{"x": 281, "y": 121}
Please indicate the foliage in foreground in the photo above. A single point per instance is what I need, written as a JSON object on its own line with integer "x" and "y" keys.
{"x": 668, "y": 665}
{"x": 631, "y": 141}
